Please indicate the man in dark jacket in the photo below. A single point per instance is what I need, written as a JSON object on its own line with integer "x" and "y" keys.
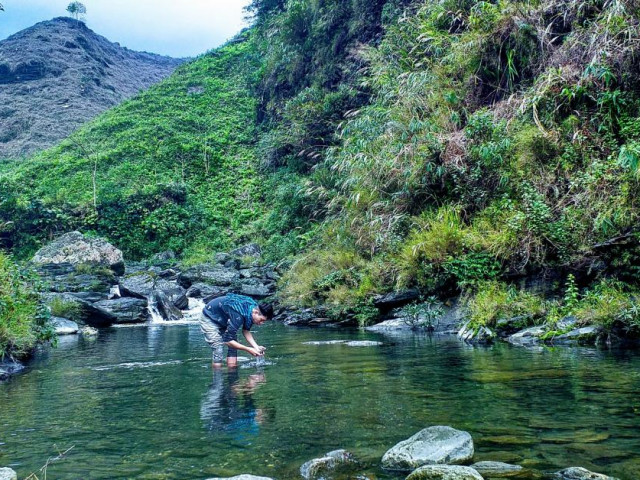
{"x": 221, "y": 320}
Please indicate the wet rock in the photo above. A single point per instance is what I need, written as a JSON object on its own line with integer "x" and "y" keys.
{"x": 138, "y": 285}
{"x": 508, "y": 326}
{"x": 64, "y": 326}
{"x": 8, "y": 369}
{"x": 75, "y": 248}
{"x": 193, "y": 292}
{"x": 65, "y": 277}
{"x": 325, "y": 342}
{"x": 126, "y": 309}
{"x": 329, "y": 463}
{"x": 87, "y": 313}
{"x": 496, "y": 469}
{"x": 395, "y": 299}
{"x": 528, "y": 336}
{"x": 249, "y": 250}
{"x": 579, "y": 473}
{"x": 206, "y": 292}
{"x": 579, "y": 335}
{"x": 169, "y": 273}
{"x": 390, "y": 325}
{"x": 480, "y": 335}
{"x": 432, "y": 445}
{"x": 363, "y": 343}
{"x": 8, "y": 474}
{"x": 444, "y": 472}
{"x": 165, "y": 307}
{"x": 256, "y": 290}
{"x": 174, "y": 292}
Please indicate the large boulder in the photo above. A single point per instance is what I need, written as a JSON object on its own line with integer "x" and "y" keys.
{"x": 444, "y": 472}
{"x": 579, "y": 473}
{"x": 86, "y": 312}
{"x": 64, "y": 326}
{"x": 65, "y": 277}
{"x": 139, "y": 285}
{"x": 174, "y": 292}
{"x": 320, "y": 467}
{"x": 249, "y": 250}
{"x": 432, "y": 445}
{"x": 209, "y": 274}
{"x": 75, "y": 248}
{"x": 8, "y": 474}
{"x": 395, "y": 299}
{"x": 167, "y": 310}
{"x": 126, "y": 309}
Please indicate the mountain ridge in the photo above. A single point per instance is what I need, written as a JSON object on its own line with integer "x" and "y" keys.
{"x": 59, "y": 74}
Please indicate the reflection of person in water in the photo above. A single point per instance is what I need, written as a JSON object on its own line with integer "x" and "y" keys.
{"x": 229, "y": 406}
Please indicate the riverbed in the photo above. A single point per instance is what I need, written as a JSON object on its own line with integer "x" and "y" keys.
{"x": 144, "y": 402}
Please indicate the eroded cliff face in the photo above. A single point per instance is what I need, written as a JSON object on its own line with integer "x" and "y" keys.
{"x": 59, "y": 74}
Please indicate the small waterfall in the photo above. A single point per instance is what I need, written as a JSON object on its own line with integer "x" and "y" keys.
{"x": 154, "y": 313}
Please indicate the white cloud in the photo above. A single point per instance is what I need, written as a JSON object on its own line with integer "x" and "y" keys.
{"x": 177, "y": 28}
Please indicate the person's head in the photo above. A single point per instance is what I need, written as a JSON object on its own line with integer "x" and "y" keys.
{"x": 263, "y": 313}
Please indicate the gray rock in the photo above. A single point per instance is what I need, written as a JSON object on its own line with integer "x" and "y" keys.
{"x": 444, "y": 472}
{"x": 64, "y": 326}
{"x": 206, "y": 291}
{"x": 209, "y": 274}
{"x": 75, "y": 248}
{"x": 139, "y": 285}
{"x": 174, "y": 292}
{"x": 496, "y": 469}
{"x": 8, "y": 369}
{"x": 330, "y": 462}
{"x": 395, "y": 299}
{"x": 579, "y": 335}
{"x": 241, "y": 477}
{"x": 126, "y": 309}
{"x": 162, "y": 257}
{"x": 8, "y": 474}
{"x": 256, "y": 290}
{"x": 432, "y": 445}
{"x": 567, "y": 323}
{"x": 390, "y": 325}
{"x": 88, "y": 313}
{"x": 65, "y": 277}
{"x": 165, "y": 306}
{"x": 250, "y": 250}
{"x": 480, "y": 335}
{"x": 579, "y": 473}
{"x": 508, "y": 326}
{"x": 91, "y": 297}
{"x": 528, "y": 336}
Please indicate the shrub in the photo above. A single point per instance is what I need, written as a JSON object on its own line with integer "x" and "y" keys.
{"x": 64, "y": 308}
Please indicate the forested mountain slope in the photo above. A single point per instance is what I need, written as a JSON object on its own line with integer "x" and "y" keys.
{"x": 59, "y": 74}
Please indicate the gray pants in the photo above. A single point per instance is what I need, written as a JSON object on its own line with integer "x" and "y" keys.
{"x": 213, "y": 336}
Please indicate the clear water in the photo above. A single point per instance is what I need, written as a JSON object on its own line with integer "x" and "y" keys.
{"x": 144, "y": 403}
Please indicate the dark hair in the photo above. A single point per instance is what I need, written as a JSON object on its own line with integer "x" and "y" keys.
{"x": 266, "y": 309}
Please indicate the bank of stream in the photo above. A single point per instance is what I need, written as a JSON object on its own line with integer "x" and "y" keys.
{"x": 142, "y": 402}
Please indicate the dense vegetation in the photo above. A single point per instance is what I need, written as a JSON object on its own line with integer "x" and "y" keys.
{"x": 454, "y": 146}
{"x": 23, "y": 321}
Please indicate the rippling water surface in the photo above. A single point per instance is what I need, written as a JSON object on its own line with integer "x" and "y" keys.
{"x": 144, "y": 403}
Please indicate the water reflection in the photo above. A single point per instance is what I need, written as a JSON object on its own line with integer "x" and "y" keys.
{"x": 229, "y": 406}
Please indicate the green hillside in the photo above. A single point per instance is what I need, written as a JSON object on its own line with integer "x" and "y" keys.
{"x": 458, "y": 147}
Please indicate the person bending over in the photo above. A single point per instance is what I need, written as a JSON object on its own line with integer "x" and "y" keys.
{"x": 223, "y": 317}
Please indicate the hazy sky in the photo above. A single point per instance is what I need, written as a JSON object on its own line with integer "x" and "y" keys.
{"x": 178, "y": 28}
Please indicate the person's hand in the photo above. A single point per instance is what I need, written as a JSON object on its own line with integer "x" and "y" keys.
{"x": 255, "y": 352}
{"x": 262, "y": 349}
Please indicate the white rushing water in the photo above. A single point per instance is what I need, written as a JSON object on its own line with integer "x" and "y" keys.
{"x": 192, "y": 315}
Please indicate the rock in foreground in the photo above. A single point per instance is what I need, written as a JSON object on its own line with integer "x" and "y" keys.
{"x": 579, "y": 473}
{"x": 319, "y": 467}
{"x": 444, "y": 472}
{"x": 433, "y": 445}
{"x": 496, "y": 469}
{"x": 76, "y": 249}
{"x": 64, "y": 326}
{"x": 8, "y": 474}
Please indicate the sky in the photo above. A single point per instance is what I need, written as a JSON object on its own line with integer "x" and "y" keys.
{"x": 179, "y": 28}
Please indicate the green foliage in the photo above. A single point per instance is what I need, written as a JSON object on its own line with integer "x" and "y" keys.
{"x": 64, "y": 308}
{"x": 423, "y": 314}
{"x": 23, "y": 320}
{"x": 609, "y": 303}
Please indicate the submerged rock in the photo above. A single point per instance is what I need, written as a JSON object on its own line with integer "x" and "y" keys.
{"x": 390, "y": 325}
{"x": 89, "y": 331}
{"x": 444, "y": 472}
{"x": 8, "y": 474}
{"x": 75, "y": 248}
{"x": 432, "y": 445}
{"x": 496, "y": 469}
{"x": 10, "y": 368}
{"x": 363, "y": 343}
{"x": 64, "y": 326}
{"x": 319, "y": 467}
{"x": 579, "y": 473}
